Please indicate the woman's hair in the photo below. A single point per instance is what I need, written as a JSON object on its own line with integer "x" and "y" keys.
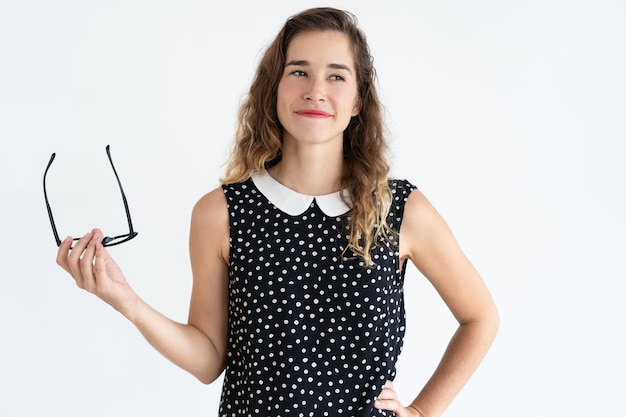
{"x": 258, "y": 137}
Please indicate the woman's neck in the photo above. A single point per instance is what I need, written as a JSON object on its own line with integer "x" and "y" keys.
{"x": 310, "y": 170}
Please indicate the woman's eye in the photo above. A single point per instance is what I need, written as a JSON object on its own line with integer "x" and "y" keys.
{"x": 337, "y": 78}
{"x": 299, "y": 73}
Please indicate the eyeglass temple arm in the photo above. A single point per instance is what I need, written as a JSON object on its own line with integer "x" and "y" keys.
{"x": 130, "y": 222}
{"x": 45, "y": 194}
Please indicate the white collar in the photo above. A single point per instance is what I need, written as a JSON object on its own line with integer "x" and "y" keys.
{"x": 294, "y": 203}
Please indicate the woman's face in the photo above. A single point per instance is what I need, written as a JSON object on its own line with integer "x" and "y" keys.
{"x": 317, "y": 94}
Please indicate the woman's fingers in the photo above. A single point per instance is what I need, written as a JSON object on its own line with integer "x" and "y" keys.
{"x": 78, "y": 260}
{"x": 100, "y": 270}
{"x": 387, "y": 391}
{"x": 388, "y": 400}
{"x": 73, "y": 259}
{"x": 86, "y": 262}
{"x": 64, "y": 250}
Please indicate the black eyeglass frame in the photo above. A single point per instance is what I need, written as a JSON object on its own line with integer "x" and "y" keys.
{"x": 107, "y": 241}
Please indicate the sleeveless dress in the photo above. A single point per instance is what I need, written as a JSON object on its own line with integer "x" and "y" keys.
{"x": 312, "y": 330}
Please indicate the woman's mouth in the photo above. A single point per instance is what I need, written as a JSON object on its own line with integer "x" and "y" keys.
{"x": 319, "y": 114}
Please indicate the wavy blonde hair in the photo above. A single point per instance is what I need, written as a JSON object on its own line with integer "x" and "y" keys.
{"x": 258, "y": 137}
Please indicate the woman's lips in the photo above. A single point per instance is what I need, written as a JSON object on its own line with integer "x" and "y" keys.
{"x": 313, "y": 113}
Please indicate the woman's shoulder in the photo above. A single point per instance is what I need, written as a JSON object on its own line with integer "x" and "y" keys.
{"x": 212, "y": 206}
{"x": 210, "y": 224}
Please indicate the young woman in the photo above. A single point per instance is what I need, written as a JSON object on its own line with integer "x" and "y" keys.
{"x": 299, "y": 258}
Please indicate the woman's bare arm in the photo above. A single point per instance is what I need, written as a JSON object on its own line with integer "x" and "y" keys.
{"x": 199, "y": 346}
{"x": 427, "y": 241}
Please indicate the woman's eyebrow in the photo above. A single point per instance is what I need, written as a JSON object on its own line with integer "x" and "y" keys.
{"x": 340, "y": 67}
{"x": 305, "y": 63}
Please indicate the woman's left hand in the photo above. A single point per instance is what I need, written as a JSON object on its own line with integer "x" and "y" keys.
{"x": 388, "y": 400}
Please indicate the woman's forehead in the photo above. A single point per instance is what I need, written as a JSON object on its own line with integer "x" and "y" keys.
{"x": 329, "y": 45}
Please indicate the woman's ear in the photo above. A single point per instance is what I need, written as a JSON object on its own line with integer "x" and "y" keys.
{"x": 357, "y": 106}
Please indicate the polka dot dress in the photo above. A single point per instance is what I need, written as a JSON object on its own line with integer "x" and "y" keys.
{"x": 312, "y": 331}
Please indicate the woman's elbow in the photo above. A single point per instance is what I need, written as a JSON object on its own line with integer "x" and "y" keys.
{"x": 491, "y": 323}
{"x": 208, "y": 377}
{"x": 486, "y": 323}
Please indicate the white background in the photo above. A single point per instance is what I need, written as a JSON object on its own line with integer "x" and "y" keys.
{"x": 509, "y": 115}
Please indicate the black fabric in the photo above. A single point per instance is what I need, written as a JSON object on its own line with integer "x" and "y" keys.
{"x": 312, "y": 331}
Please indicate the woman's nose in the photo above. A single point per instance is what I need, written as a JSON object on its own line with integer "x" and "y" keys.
{"x": 315, "y": 90}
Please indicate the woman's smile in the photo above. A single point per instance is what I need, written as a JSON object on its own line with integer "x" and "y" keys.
{"x": 315, "y": 114}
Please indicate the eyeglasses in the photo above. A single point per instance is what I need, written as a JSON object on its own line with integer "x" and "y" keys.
{"x": 107, "y": 241}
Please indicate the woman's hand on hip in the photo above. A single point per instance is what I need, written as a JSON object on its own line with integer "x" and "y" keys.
{"x": 388, "y": 400}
